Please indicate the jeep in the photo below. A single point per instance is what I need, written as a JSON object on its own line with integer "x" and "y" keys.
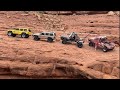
{"x": 50, "y": 36}
{"x": 103, "y": 43}
{"x": 73, "y": 37}
{"x": 24, "y": 32}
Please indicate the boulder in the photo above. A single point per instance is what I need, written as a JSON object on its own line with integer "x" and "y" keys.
{"x": 98, "y": 67}
{"x": 4, "y": 68}
{"x": 20, "y": 69}
{"x": 116, "y": 72}
{"x": 39, "y": 70}
{"x": 106, "y": 76}
{"x": 107, "y": 69}
{"x": 110, "y": 13}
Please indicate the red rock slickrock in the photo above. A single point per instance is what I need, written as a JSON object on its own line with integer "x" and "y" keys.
{"x": 26, "y": 58}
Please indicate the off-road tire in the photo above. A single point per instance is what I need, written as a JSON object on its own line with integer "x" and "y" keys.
{"x": 104, "y": 49}
{"x": 14, "y": 35}
{"x": 49, "y": 39}
{"x": 9, "y": 33}
{"x": 64, "y": 41}
{"x": 80, "y": 45}
{"x": 36, "y": 38}
{"x": 23, "y": 35}
{"x": 27, "y": 36}
{"x": 91, "y": 44}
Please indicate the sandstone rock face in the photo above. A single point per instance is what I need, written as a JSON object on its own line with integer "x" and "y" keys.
{"x": 116, "y": 72}
{"x": 51, "y": 22}
{"x": 41, "y": 70}
{"x": 107, "y": 69}
{"x": 90, "y": 12}
{"x": 4, "y": 69}
{"x": 108, "y": 77}
{"x": 59, "y": 12}
{"x": 111, "y": 13}
{"x": 74, "y": 12}
{"x": 97, "y": 67}
{"x": 27, "y": 58}
{"x": 110, "y": 69}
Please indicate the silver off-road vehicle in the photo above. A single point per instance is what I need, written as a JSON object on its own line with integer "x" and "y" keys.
{"x": 49, "y": 36}
{"x": 73, "y": 37}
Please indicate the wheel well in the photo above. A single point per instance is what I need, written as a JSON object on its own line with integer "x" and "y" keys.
{"x": 91, "y": 41}
{"x": 49, "y": 38}
{"x": 9, "y": 31}
{"x": 24, "y": 33}
{"x": 35, "y": 36}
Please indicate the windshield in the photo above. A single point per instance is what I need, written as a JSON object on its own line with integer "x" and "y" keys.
{"x": 29, "y": 30}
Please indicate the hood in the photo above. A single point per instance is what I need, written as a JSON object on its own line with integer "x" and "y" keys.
{"x": 110, "y": 45}
{"x": 65, "y": 36}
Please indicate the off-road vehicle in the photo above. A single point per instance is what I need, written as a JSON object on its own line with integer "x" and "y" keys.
{"x": 49, "y": 36}
{"x": 24, "y": 32}
{"x": 73, "y": 37}
{"x": 103, "y": 43}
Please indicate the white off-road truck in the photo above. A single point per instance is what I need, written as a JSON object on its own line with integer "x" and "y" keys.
{"x": 49, "y": 36}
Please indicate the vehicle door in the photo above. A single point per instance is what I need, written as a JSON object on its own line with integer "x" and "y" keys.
{"x": 42, "y": 35}
{"x": 29, "y": 31}
{"x": 102, "y": 41}
{"x": 21, "y": 31}
{"x": 15, "y": 31}
{"x": 25, "y": 30}
{"x": 97, "y": 43}
{"x": 100, "y": 44}
{"x": 52, "y": 35}
{"x": 47, "y": 35}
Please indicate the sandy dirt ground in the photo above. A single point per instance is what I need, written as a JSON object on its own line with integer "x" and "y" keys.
{"x": 40, "y": 56}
